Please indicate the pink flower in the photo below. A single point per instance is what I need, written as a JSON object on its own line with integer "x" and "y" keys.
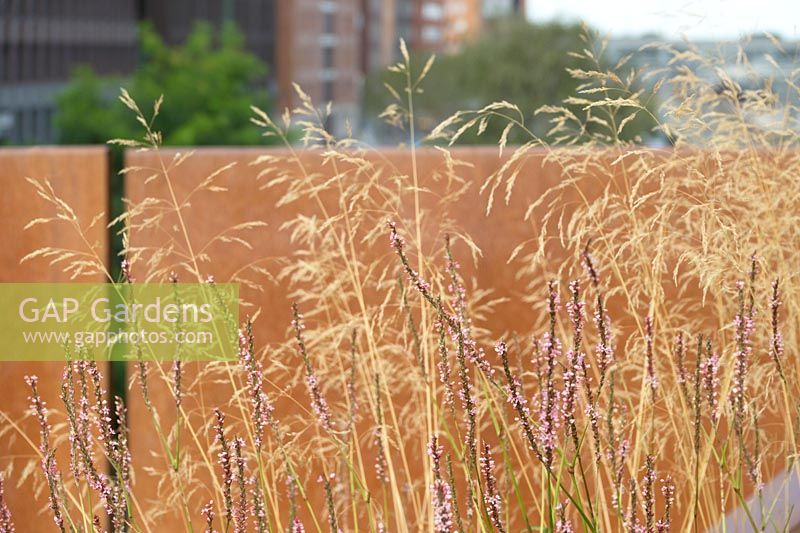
{"x": 440, "y": 491}
{"x": 51, "y": 473}
{"x": 648, "y": 492}
{"x": 443, "y": 367}
{"x": 125, "y": 267}
{"x": 744, "y": 325}
{"x": 777, "y": 348}
{"x": 260, "y": 407}
{"x": 381, "y": 466}
{"x": 575, "y": 309}
{"x": 318, "y": 403}
{"x": 517, "y": 399}
{"x": 680, "y": 352}
{"x": 709, "y": 374}
{"x": 6, "y": 524}
{"x": 491, "y": 494}
{"x": 208, "y": 513}
{"x": 548, "y": 408}
{"x": 563, "y": 524}
{"x": 668, "y": 492}
{"x": 224, "y": 458}
{"x": 395, "y": 240}
{"x": 241, "y": 509}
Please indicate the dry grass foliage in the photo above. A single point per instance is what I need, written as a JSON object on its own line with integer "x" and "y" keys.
{"x": 652, "y": 393}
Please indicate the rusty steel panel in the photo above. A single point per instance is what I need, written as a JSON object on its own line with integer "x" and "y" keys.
{"x": 496, "y": 234}
{"x": 79, "y": 176}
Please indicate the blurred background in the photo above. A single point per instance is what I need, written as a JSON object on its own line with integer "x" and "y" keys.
{"x": 62, "y": 61}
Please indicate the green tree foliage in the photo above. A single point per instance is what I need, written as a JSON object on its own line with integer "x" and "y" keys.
{"x": 208, "y": 83}
{"x": 512, "y": 60}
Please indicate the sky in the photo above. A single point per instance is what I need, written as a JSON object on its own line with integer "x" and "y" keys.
{"x": 696, "y": 19}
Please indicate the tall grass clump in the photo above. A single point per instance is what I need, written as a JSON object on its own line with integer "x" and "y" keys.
{"x": 652, "y": 386}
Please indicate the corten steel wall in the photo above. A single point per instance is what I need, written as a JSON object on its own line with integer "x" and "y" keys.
{"x": 79, "y": 176}
{"x": 496, "y": 235}
{"x": 245, "y": 201}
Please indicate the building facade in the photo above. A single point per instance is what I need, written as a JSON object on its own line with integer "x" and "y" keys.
{"x": 174, "y": 20}
{"x": 320, "y": 43}
{"x": 325, "y": 46}
{"x": 315, "y": 43}
{"x": 41, "y": 41}
{"x": 431, "y": 26}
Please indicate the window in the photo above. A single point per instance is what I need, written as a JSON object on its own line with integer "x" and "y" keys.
{"x": 431, "y": 34}
{"x": 16, "y": 129}
{"x": 48, "y": 130}
{"x": 327, "y": 91}
{"x": 327, "y": 57}
{"x": 5, "y": 60}
{"x": 432, "y": 11}
{"x": 23, "y": 127}
{"x": 20, "y": 60}
{"x": 34, "y": 125}
{"x": 328, "y": 23}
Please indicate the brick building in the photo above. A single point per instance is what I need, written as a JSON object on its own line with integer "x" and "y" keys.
{"x": 434, "y": 26}
{"x": 326, "y": 46}
{"x": 320, "y": 43}
{"x": 174, "y": 20}
{"x": 41, "y": 41}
